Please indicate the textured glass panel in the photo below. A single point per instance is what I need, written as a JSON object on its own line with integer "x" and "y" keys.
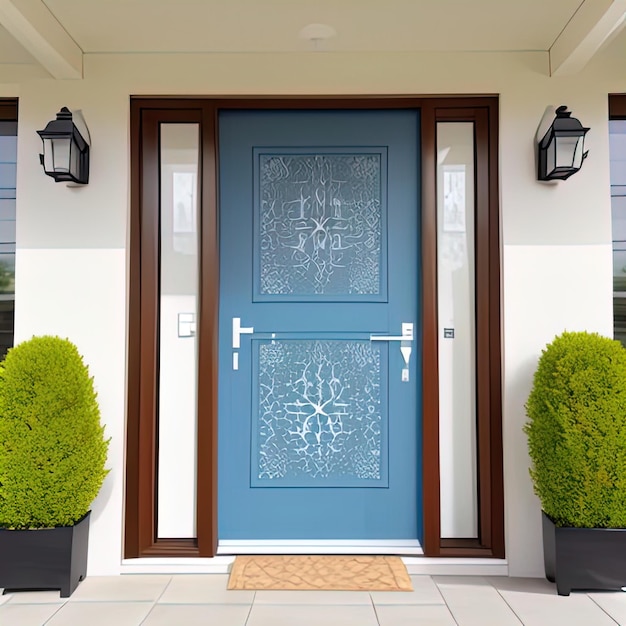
{"x": 320, "y": 226}
{"x": 320, "y": 414}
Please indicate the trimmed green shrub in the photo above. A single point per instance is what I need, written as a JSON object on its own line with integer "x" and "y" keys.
{"x": 52, "y": 448}
{"x": 577, "y": 431}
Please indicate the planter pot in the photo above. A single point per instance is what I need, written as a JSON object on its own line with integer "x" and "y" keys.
{"x": 49, "y": 558}
{"x": 584, "y": 558}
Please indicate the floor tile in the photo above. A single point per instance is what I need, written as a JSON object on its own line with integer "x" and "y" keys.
{"x": 473, "y": 601}
{"x": 536, "y": 603}
{"x": 101, "y": 614}
{"x": 26, "y": 614}
{"x": 313, "y": 597}
{"x": 36, "y": 597}
{"x": 319, "y": 615}
{"x": 197, "y": 615}
{"x": 613, "y": 603}
{"x": 417, "y": 615}
{"x": 203, "y": 589}
{"x": 424, "y": 592}
{"x": 129, "y": 587}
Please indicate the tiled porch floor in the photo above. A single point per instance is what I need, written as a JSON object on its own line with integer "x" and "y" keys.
{"x": 194, "y": 600}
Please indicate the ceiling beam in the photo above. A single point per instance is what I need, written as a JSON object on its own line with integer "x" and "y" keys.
{"x": 593, "y": 24}
{"x": 36, "y": 28}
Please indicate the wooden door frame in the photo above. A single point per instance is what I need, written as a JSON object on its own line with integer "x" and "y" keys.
{"x": 142, "y": 412}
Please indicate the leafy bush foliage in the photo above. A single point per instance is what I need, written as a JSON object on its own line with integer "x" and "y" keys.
{"x": 52, "y": 448}
{"x": 577, "y": 431}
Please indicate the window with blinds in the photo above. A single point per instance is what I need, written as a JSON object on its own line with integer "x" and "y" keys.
{"x": 8, "y": 162}
{"x": 617, "y": 143}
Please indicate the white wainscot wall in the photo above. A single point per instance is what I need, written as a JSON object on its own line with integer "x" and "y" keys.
{"x": 81, "y": 295}
{"x": 547, "y": 290}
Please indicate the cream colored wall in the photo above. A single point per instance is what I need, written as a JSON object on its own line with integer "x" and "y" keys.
{"x": 556, "y": 254}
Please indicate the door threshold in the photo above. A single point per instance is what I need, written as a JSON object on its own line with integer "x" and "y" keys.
{"x": 408, "y": 547}
{"x": 416, "y": 565}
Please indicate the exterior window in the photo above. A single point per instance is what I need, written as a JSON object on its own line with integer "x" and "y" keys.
{"x": 8, "y": 159}
{"x": 617, "y": 142}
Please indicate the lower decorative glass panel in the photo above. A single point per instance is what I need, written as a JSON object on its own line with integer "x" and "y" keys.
{"x": 319, "y": 416}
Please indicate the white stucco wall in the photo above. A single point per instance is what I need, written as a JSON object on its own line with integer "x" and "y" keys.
{"x": 556, "y": 239}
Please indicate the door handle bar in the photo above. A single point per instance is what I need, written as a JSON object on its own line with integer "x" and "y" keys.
{"x": 239, "y": 330}
{"x": 407, "y": 334}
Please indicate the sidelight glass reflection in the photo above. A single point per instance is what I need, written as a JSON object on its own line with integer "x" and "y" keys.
{"x": 178, "y": 353}
{"x": 457, "y": 329}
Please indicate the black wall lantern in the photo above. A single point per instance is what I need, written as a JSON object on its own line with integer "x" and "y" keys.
{"x": 562, "y": 151}
{"x": 65, "y": 151}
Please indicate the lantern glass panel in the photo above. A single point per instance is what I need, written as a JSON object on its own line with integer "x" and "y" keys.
{"x": 60, "y": 154}
{"x": 48, "y": 155}
{"x": 74, "y": 161}
{"x": 579, "y": 152}
{"x": 565, "y": 150}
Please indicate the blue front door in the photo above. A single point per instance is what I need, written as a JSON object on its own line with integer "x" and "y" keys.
{"x": 319, "y": 411}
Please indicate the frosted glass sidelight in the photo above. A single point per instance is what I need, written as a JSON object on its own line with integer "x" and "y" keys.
{"x": 319, "y": 224}
{"x": 457, "y": 329}
{"x": 178, "y": 352}
{"x": 321, "y": 414}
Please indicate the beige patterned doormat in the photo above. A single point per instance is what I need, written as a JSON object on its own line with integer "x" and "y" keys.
{"x": 334, "y": 573}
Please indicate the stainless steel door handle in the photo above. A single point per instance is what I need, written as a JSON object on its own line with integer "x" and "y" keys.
{"x": 407, "y": 334}
{"x": 239, "y": 330}
{"x": 405, "y": 340}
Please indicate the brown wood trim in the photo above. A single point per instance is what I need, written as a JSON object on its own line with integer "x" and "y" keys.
{"x": 140, "y": 537}
{"x": 479, "y": 552}
{"x": 173, "y": 547}
{"x": 143, "y": 359}
{"x": 8, "y": 109}
{"x": 466, "y": 548}
{"x": 483, "y": 325}
{"x": 131, "y": 534}
{"x": 459, "y": 543}
{"x": 496, "y": 471}
{"x": 446, "y": 106}
{"x": 490, "y": 541}
{"x": 208, "y": 342}
{"x": 617, "y": 106}
{"x": 430, "y": 373}
{"x": 148, "y": 332}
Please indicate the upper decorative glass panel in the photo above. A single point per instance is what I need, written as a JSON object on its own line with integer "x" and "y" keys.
{"x": 321, "y": 414}
{"x": 320, "y": 224}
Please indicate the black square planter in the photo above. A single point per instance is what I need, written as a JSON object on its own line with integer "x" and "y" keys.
{"x": 584, "y": 558}
{"x": 49, "y": 558}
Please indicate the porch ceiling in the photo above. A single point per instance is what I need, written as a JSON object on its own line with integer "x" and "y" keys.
{"x": 67, "y": 29}
{"x": 273, "y": 25}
